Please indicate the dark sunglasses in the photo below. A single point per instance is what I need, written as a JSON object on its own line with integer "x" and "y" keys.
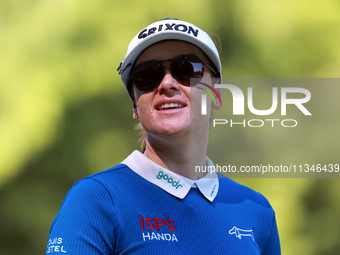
{"x": 147, "y": 75}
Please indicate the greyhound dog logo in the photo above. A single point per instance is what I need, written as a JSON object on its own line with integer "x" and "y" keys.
{"x": 241, "y": 232}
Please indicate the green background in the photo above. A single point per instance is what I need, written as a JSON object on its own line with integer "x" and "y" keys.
{"x": 64, "y": 112}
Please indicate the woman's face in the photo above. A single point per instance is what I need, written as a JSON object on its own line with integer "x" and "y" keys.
{"x": 152, "y": 107}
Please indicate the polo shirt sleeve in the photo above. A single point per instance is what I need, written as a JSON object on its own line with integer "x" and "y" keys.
{"x": 86, "y": 222}
{"x": 273, "y": 243}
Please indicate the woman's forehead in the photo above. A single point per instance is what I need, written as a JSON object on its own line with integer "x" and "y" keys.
{"x": 168, "y": 50}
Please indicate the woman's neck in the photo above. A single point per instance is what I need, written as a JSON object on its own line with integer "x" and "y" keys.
{"x": 177, "y": 154}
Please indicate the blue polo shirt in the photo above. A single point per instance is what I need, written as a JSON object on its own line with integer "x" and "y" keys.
{"x": 139, "y": 207}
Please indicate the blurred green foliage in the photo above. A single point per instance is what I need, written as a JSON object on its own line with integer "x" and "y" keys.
{"x": 64, "y": 113}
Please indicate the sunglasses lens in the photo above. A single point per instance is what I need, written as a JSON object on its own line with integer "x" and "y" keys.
{"x": 147, "y": 75}
{"x": 185, "y": 69}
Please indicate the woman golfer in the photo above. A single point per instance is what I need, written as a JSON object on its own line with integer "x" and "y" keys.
{"x": 153, "y": 202}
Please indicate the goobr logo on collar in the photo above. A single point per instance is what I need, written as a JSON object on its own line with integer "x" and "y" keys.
{"x": 175, "y": 184}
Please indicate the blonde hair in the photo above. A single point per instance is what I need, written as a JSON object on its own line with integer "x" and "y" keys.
{"x": 142, "y": 136}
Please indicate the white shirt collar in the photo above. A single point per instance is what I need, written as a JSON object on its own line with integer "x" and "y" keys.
{"x": 169, "y": 181}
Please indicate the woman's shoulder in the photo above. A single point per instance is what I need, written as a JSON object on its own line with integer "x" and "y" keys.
{"x": 100, "y": 183}
{"x": 115, "y": 171}
{"x": 236, "y": 192}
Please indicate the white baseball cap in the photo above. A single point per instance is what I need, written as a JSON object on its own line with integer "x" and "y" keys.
{"x": 167, "y": 29}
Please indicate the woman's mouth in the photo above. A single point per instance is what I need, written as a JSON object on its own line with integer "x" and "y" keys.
{"x": 169, "y": 106}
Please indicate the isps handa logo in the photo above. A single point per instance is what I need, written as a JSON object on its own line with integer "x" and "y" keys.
{"x": 296, "y": 97}
{"x": 158, "y": 229}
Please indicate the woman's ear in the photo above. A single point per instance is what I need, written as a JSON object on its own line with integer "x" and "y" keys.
{"x": 218, "y": 104}
{"x": 135, "y": 112}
